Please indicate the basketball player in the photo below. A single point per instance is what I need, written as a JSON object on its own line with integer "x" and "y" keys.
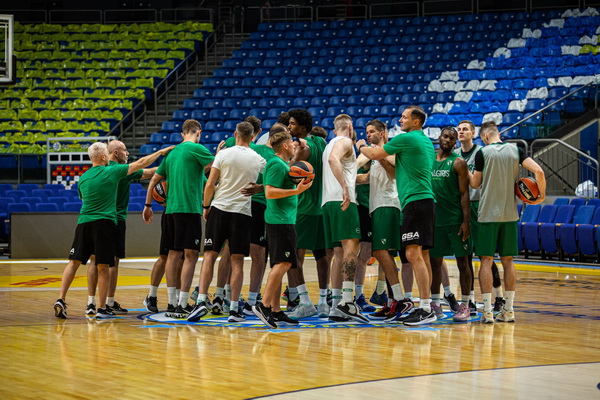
{"x": 228, "y": 216}
{"x": 384, "y": 209}
{"x": 450, "y": 180}
{"x": 414, "y": 157}
{"x": 309, "y": 222}
{"x": 496, "y": 171}
{"x": 340, "y": 217}
{"x": 97, "y": 220}
{"x": 280, "y": 217}
{"x": 184, "y": 171}
{"x": 468, "y": 150}
{"x": 118, "y": 155}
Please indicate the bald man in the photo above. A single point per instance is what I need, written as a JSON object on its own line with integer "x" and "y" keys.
{"x": 97, "y": 221}
{"x": 118, "y": 154}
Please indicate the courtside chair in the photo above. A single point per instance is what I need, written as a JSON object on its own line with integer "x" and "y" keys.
{"x": 547, "y": 231}
{"x": 587, "y": 237}
{"x": 530, "y": 229}
{"x": 566, "y": 234}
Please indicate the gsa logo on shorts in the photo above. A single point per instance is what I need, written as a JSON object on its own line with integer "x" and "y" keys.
{"x": 410, "y": 236}
{"x": 208, "y": 242}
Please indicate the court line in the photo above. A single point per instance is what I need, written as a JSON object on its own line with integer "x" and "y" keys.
{"x": 418, "y": 376}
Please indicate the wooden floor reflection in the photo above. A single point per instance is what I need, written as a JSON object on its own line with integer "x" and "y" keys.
{"x": 558, "y": 324}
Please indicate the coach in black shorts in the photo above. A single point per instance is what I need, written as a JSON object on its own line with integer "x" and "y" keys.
{"x": 97, "y": 221}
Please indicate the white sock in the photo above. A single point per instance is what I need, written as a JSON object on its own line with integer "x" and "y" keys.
{"x": 359, "y": 290}
{"x": 397, "y": 292}
{"x": 408, "y": 295}
{"x": 92, "y": 300}
{"x": 465, "y": 299}
{"x": 472, "y": 296}
{"x": 228, "y": 291}
{"x": 183, "y": 298}
{"x": 447, "y": 290}
{"x": 303, "y": 292}
{"x": 220, "y": 292}
{"x": 234, "y": 306}
{"x": 153, "y": 291}
{"x": 487, "y": 302}
{"x": 336, "y": 297}
{"x": 177, "y": 292}
{"x": 202, "y": 298}
{"x": 252, "y": 298}
{"x": 347, "y": 292}
{"x": 380, "y": 288}
{"x": 426, "y": 305}
{"x": 293, "y": 293}
{"x": 498, "y": 291}
{"x": 436, "y": 299}
{"x": 322, "y": 296}
{"x": 510, "y": 299}
{"x": 110, "y": 301}
{"x": 172, "y": 296}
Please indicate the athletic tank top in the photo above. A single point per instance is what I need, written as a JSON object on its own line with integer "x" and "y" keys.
{"x": 382, "y": 191}
{"x": 447, "y": 194}
{"x": 474, "y": 194}
{"x": 500, "y": 172}
{"x": 332, "y": 190}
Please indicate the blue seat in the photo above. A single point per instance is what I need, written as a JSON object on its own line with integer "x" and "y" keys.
{"x": 46, "y": 207}
{"x": 42, "y": 193}
{"x": 577, "y": 202}
{"x": 175, "y": 138}
{"x": 28, "y": 187}
{"x": 171, "y": 126}
{"x": 54, "y": 187}
{"x": 561, "y": 201}
{"x": 138, "y": 199}
{"x": 530, "y": 214}
{"x": 566, "y": 234}
{"x": 530, "y": 230}
{"x": 182, "y": 115}
{"x": 146, "y": 149}
{"x": 159, "y": 138}
{"x": 15, "y": 194}
{"x": 32, "y": 201}
{"x": 549, "y": 245}
{"x": 4, "y": 187}
{"x": 586, "y": 236}
{"x": 72, "y": 207}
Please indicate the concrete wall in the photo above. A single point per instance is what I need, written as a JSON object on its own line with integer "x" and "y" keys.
{"x": 50, "y": 235}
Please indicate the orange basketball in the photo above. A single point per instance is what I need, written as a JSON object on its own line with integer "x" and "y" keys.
{"x": 301, "y": 170}
{"x": 159, "y": 193}
{"x": 527, "y": 190}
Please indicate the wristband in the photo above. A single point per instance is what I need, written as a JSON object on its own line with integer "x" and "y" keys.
{"x": 147, "y": 205}
{"x": 361, "y": 146}
{"x": 205, "y": 207}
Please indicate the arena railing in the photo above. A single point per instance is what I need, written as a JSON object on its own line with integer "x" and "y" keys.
{"x": 291, "y": 14}
{"x": 333, "y": 12}
{"x": 394, "y": 10}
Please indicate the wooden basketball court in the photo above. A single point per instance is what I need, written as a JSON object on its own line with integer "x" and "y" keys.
{"x": 552, "y": 351}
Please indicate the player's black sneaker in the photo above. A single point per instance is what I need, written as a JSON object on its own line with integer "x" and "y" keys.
{"x": 217, "y": 306}
{"x": 90, "y": 310}
{"x": 198, "y": 312}
{"x": 498, "y": 305}
{"x": 151, "y": 304}
{"x": 351, "y": 310}
{"x": 117, "y": 309}
{"x": 282, "y": 319}
{"x": 170, "y": 311}
{"x": 420, "y": 317}
{"x": 105, "y": 313}
{"x": 247, "y": 310}
{"x": 60, "y": 309}
{"x": 472, "y": 308}
{"x": 235, "y": 316}
{"x": 265, "y": 314}
{"x": 180, "y": 312}
{"x": 452, "y": 302}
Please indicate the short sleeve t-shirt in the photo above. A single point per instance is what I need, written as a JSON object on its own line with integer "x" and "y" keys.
{"x": 238, "y": 166}
{"x": 280, "y": 211}
{"x": 309, "y": 201}
{"x": 230, "y": 142}
{"x": 98, "y": 190}
{"x": 267, "y": 153}
{"x": 123, "y": 192}
{"x": 183, "y": 168}
{"x": 414, "y": 158}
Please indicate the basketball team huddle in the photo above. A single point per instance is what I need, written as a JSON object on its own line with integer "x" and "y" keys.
{"x": 343, "y": 200}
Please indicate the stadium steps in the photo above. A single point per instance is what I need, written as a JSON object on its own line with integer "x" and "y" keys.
{"x": 139, "y": 135}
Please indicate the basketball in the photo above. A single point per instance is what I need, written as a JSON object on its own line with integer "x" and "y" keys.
{"x": 159, "y": 193}
{"x": 301, "y": 170}
{"x": 527, "y": 190}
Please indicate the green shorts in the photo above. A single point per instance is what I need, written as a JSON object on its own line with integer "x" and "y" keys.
{"x": 474, "y": 224}
{"x": 448, "y": 243}
{"x": 310, "y": 231}
{"x": 340, "y": 225}
{"x": 387, "y": 228}
{"x": 501, "y": 236}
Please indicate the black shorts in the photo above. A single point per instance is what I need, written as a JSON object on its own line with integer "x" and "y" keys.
{"x": 183, "y": 231}
{"x": 222, "y": 226}
{"x": 96, "y": 237}
{"x": 366, "y": 233}
{"x": 120, "y": 233}
{"x": 258, "y": 234}
{"x": 282, "y": 240}
{"x": 418, "y": 225}
{"x": 163, "y": 250}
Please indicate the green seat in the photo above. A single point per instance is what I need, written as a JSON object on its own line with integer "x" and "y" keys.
{"x": 77, "y": 74}
{"x": 71, "y": 115}
{"x": 50, "y": 115}
{"x": 56, "y": 126}
{"x": 27, "y": 114}
{"x": 176, "y": 54}
{"x": 20, "y": 104}
{"x": 34, "y": 126}
{"x": 8, "y": 115}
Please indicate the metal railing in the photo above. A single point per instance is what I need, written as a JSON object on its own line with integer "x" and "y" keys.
{"x": 393, "y": 10}
{"x": 75, "y": 16}
{"x": 468, "y": 7}
{"x": 184, "y": 14}
{"x": 548, "y": 106}
{"x": 564, "y": 164}
{"x": 357, "y": 11}
{"x": 291, "y": 14}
